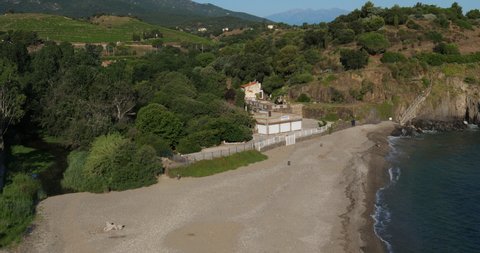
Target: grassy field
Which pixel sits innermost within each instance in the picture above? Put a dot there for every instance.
(219, 165)
(102, 29)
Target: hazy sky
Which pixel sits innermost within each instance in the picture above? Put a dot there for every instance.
(266, 7)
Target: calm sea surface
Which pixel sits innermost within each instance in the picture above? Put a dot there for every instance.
(432, 202)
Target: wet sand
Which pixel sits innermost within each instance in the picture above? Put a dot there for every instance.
(320, 203)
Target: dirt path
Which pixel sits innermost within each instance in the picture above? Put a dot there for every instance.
(265, 207)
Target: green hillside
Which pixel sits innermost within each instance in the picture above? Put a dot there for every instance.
(102, 29)
(168, 13)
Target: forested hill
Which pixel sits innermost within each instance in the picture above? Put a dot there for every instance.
(163, 12)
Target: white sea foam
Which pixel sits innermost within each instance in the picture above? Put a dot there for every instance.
(382, 215)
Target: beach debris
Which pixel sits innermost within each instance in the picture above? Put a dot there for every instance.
(109, 226)
(289, 163)
(179, 177)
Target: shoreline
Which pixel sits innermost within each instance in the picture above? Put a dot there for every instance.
(377, 178)
(319, 203)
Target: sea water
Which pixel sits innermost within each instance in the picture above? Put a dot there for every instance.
(432, 200)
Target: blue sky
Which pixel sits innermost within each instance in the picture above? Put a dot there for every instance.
(266, 7)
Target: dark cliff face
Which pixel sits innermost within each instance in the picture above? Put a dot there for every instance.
(450, 107)
(472, 114)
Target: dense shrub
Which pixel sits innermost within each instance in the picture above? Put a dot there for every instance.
(447, 49)
(136, 167)
(187, 146)
(413, 25)
(161, 146)
(407, 69)
(353, 59)
(360, 94)
(204, 59)
(74, 177)
(473, 14)
(434, 36)
(392, 57)
(470, 80)
(237, 133)
(435, 59)
(207, 137)
(373, 23)
(272, 83)
(345, 36)
(464, 24)
(300, 78)
(155, 119)
(303, 98)
(373, 43)
(113, 163)
(442, 21)
(17, 207)
(336, 96)
(432, 59)
(316, 38)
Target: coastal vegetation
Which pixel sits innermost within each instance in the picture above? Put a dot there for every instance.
(210, 167)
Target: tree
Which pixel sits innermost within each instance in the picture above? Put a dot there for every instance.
(473, 14)
(157, 43)
(289, 60)
(368, 9)
(204, 59)
(155, 119)
(272, 83)
(373, 43)
(353, 59)
(395, 16)
(123, 99)
(457, 10)
(11, 105)
(315, 38)
(373, 23)
(112, 163)
(345, 36)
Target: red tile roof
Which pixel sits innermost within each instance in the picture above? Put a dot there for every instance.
(249, 84)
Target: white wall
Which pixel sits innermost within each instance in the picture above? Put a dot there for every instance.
(274, 129)
(262, 129)
(279, 128)
(285, 127)
(296, 125)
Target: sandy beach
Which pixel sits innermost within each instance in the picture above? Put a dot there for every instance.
(320, 203)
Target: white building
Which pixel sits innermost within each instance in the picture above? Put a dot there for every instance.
(270, 27)
(278, 124)
(253, 90)
(202, 29)
(225, 29)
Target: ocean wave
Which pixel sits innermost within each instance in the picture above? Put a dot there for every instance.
(382, 215)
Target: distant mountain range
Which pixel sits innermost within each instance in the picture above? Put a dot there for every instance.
(162, 12)
(300, 16)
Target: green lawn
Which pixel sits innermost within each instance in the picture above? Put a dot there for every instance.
(106, 29)
(29, 160)
(219, 165)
